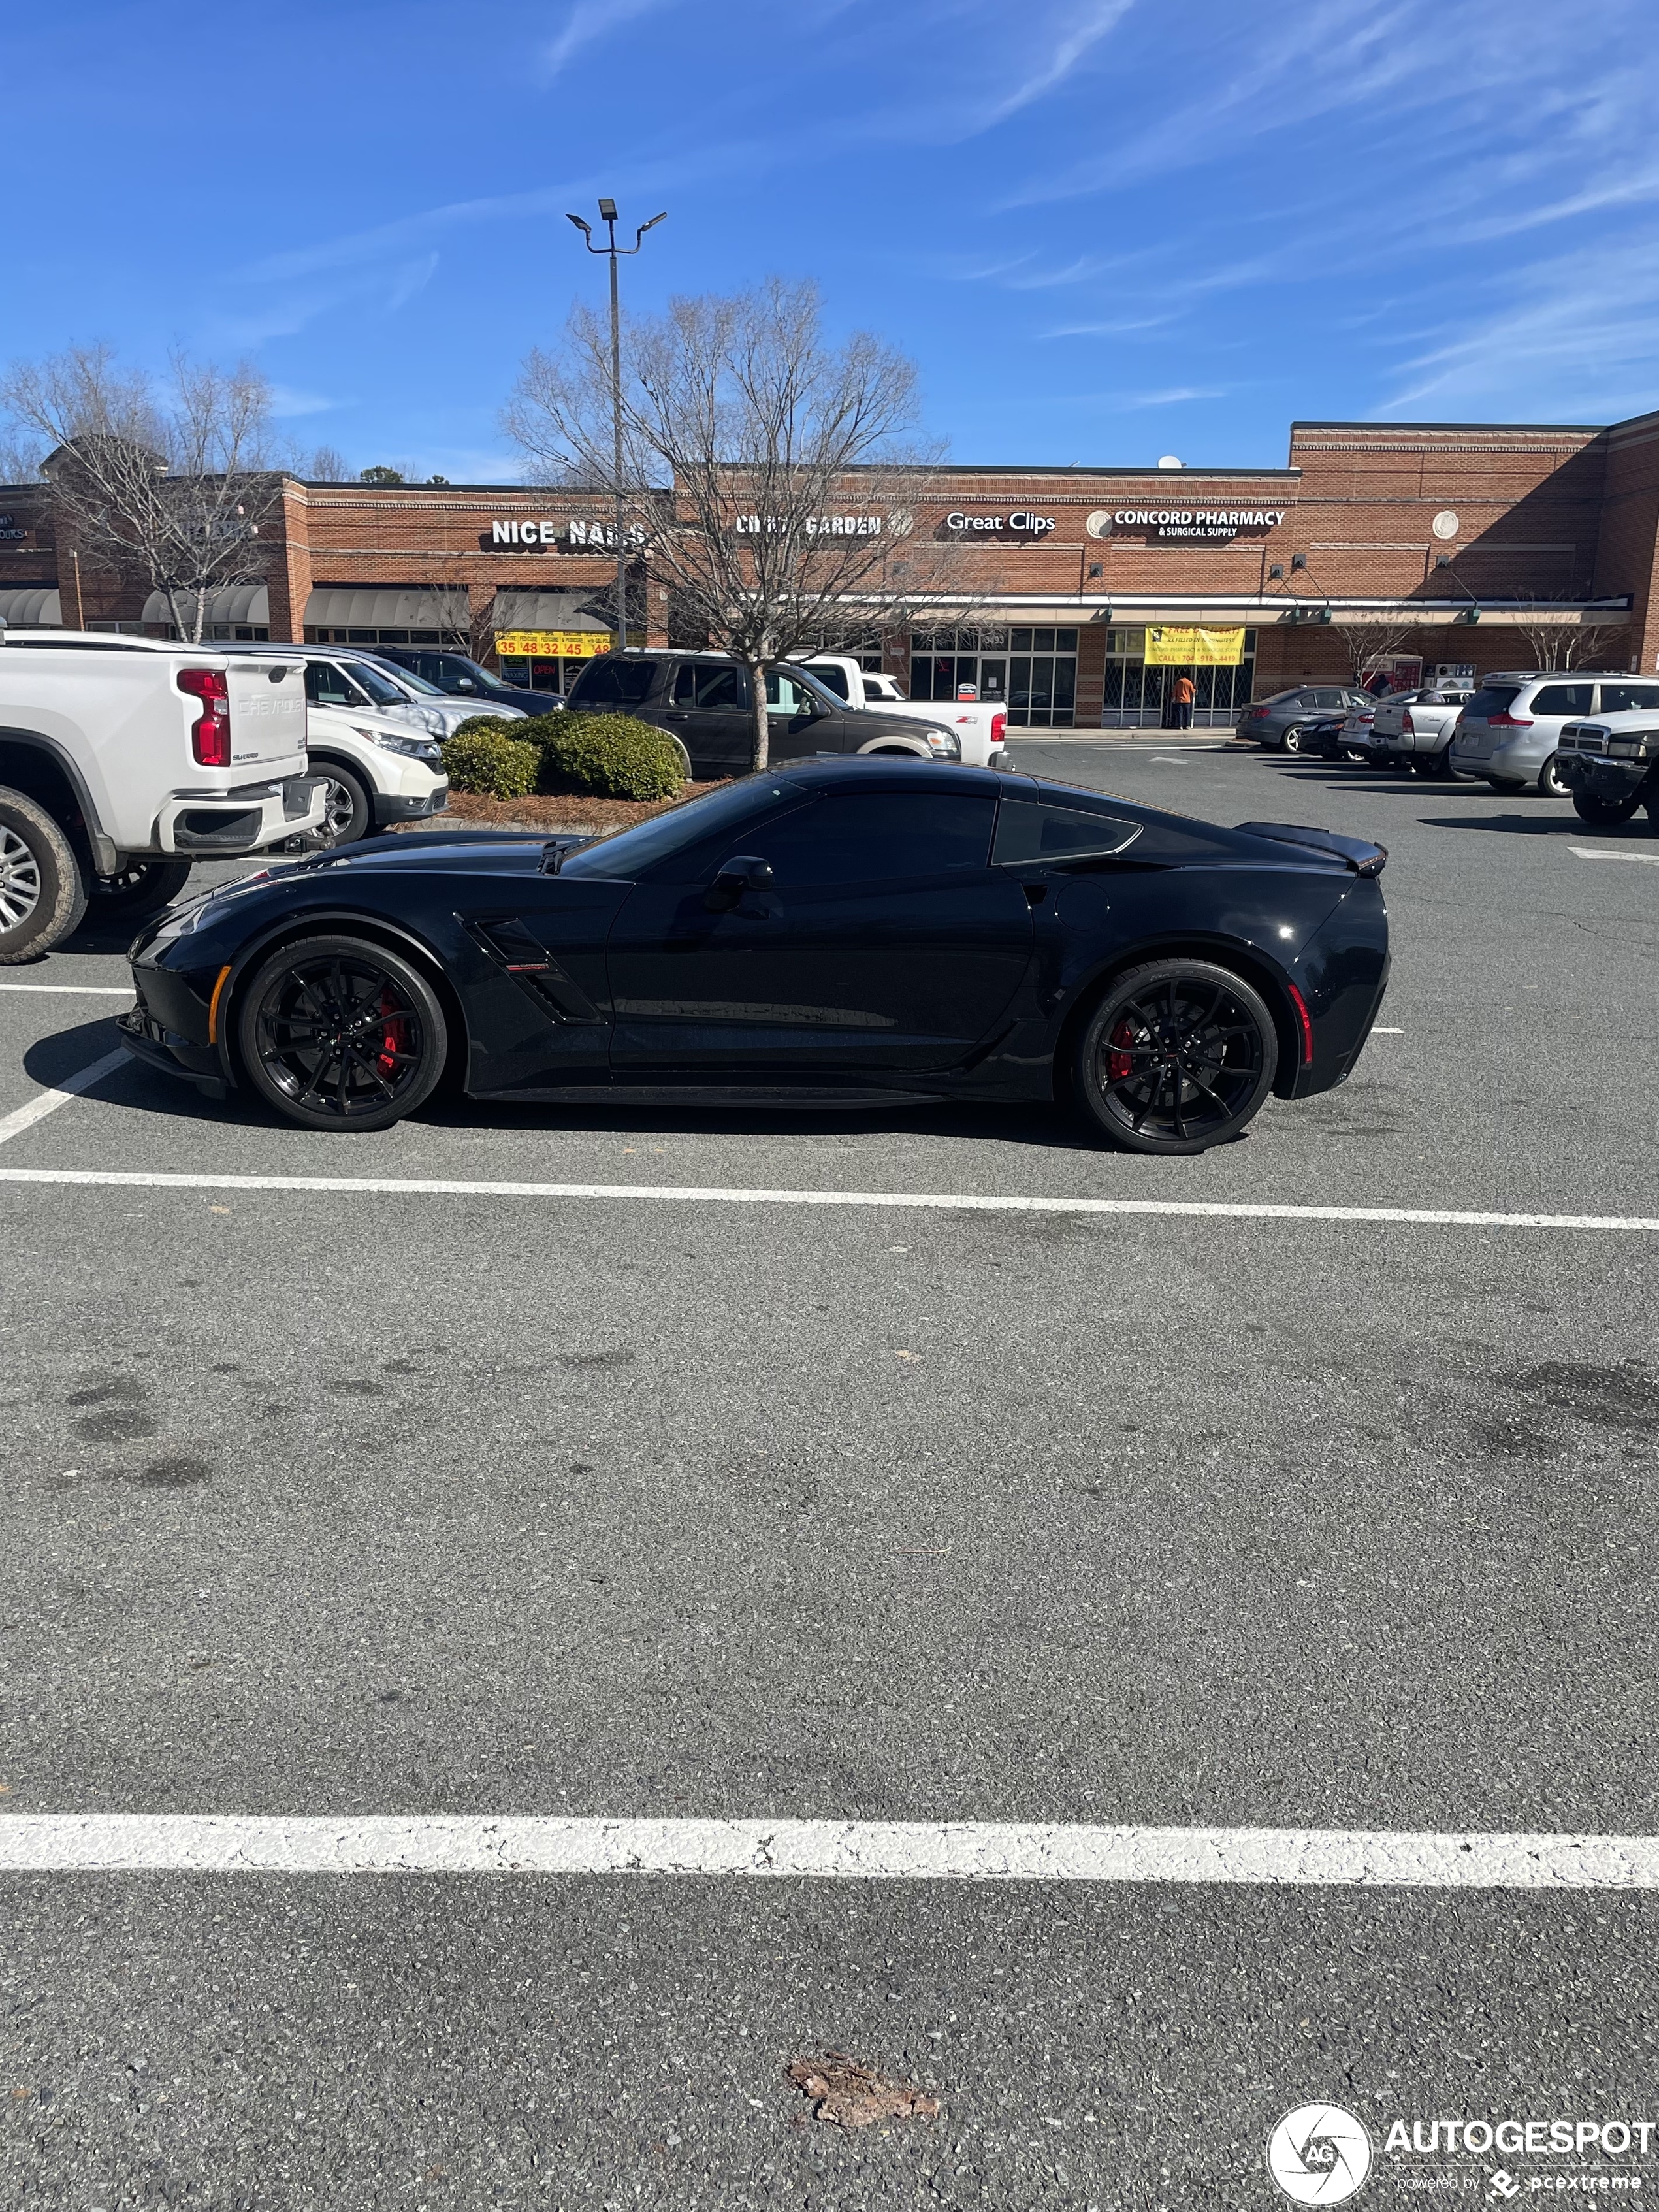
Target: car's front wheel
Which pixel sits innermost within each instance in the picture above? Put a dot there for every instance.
(1606, 813)
(341, 1033)
(42, 894)
(348, 814)
(1551, 781)
(1179, 1056)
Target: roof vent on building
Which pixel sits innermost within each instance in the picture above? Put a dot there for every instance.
(1170, 461)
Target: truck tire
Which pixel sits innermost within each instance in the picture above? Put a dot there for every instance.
(43, 894)
(1606, 813)
(142, 887)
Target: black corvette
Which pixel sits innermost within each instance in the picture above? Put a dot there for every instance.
(830, 933)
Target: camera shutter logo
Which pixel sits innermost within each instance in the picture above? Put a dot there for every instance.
(1319, 2154)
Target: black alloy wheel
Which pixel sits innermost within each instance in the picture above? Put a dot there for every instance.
(1606, 813)
(1179, 1056)
(341, 1033)
(142, 888)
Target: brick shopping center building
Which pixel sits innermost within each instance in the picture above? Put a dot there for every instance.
(1419, 546)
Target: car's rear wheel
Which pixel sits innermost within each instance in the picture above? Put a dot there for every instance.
(1606, 813)
(341, 1033)
(348, 814)
(1551, 781)
(142, 887)
(42, 896)
(1179, 1056)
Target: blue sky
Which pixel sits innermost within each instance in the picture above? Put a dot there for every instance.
(1106, 229)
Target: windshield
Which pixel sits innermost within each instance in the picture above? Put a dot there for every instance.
(629, 853)
(378, 684)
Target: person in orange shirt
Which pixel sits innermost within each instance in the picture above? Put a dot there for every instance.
(1183, 692)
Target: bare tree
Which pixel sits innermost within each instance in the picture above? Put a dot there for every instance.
(173, 483)
(20, 459)
(768, 435)
(1555, 641)
(1369, 640)
(323, 464)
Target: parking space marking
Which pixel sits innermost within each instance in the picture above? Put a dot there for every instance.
(1598, 853)
(25, 1117)
(694, 1194)
(834, 1850)
(76, 990)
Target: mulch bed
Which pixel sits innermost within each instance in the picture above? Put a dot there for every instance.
(572, 809)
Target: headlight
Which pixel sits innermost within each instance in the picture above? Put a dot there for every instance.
(420, 749)
(947, 747)
(1628, 748)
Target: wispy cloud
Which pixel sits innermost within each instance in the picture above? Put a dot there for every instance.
(287, 403)
(1070, 43)
(588, 22)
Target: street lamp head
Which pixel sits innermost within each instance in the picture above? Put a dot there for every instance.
(607, 211)
(654, 221)
(586, 229)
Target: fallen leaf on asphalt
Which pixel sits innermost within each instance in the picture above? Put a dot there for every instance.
(846, 2094)
(218, 1209)
(907, 1355)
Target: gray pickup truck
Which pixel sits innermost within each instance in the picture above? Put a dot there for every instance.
(1611, 766)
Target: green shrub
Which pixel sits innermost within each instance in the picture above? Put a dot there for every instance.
(612, 755)
(480, 722)
(485, 760)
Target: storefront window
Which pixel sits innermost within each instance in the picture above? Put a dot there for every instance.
(1135, 696)
(1042, 678)
(944, 662)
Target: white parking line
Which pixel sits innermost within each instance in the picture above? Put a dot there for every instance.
(859, 1850)
(1599, 852)
(25, 1117)
(76, 990)
(694, 1194)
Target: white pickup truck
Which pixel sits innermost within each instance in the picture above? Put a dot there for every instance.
(122, 759)
(980, 723)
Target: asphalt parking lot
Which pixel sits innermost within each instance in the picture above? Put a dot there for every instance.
(332, 1504)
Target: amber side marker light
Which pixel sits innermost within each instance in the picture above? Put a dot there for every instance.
(219, 993)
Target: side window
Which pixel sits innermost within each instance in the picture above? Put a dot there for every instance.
(784, 696)
(1027, 835)
(1620, 698)
(877, 837)
(833, 679)
(718, 690)
(1328, 699)
(1565, 698)
(615, 682)
(326, 686)
(434, 667)
(685, 684)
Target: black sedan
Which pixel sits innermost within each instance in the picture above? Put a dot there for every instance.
(835, 932)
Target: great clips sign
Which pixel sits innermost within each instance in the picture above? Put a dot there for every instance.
(1018, 524)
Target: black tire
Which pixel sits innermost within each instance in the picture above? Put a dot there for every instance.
(348, 812)
(1551, 781)
(142, 887)
(1607, 813)
(1292, 741)
(1193, 1019)
(43, 894)
(304, 1018)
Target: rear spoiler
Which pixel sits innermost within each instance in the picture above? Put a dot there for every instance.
(1364, 859)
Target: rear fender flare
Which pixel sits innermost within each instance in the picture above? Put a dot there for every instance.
(1257, 968)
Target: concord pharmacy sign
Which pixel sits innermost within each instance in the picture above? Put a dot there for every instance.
(1205, 522)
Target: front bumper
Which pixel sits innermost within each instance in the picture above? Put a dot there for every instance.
(391, 807)
(1598, 777)
(244, 820)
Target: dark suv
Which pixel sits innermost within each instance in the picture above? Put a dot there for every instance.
(463, 679)
(703, 699)
(1278, 723)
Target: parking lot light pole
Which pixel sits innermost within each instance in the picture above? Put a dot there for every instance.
(608, 217)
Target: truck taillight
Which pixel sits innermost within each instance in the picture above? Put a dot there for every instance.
(1407, 727)
(209, 734)
(998, 728)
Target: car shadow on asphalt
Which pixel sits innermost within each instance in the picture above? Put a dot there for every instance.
(1051, 1128)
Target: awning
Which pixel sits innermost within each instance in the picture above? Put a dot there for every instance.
(560, 611)
(247, 604)
(343, 606)
(31, 606)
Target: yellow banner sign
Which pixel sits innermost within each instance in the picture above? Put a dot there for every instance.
(553, 644)
(1194, 648)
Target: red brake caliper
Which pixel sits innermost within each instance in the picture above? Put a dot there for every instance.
(1118, 1063)
(392, 1035)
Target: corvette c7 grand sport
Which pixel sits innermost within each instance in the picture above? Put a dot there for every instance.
(832, 933)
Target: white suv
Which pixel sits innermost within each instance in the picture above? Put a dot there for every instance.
(1510, 731)
(376, 772)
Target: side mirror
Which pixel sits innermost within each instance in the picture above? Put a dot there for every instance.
(464, 683)
(743, 872)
